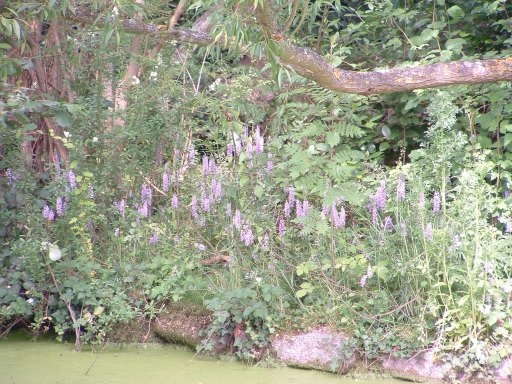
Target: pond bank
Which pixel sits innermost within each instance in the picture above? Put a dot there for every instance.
(45, 361)
(323, 348)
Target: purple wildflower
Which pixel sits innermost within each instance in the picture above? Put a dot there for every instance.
(287, 208)
(200, 246)
(146, 194)
(116, 232)
(400, 187)
(205, 165)
(362, 282)
(174, 201)
(270, 166)
(120, 206)
(281, 228)
(143, 209)
(388, 223)
(166, 181)
(230, 150)
(302, 209)
(246, 235)
(436, 203)
(369, 271)
(59, 206)
(205, 201)
(266, 241)
(238, 146)
(246, 131)
(212, 167)
(380, 197)
(48, 213)
(71, 179)
(260, 141)
(338, 218)
(216, 189)
(153, 239)
(325, 212)
(249, 148)
(429, 234)
(228, 209)
(237, 219)
(375, 214)
(193, 207)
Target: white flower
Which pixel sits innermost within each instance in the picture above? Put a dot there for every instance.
(67, 134)
(115, 11)
(153, 75)
(94, 139)
(30, 301)
(135, 80)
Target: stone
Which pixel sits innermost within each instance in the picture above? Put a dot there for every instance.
(319, 348)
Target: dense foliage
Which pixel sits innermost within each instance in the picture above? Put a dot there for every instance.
(386, 216)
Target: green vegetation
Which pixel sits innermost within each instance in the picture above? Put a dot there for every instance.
(164, 172)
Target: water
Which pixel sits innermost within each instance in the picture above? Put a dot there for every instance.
(46, 361)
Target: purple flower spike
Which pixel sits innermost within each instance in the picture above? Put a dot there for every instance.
(146, 194)
(325, 212)
(71, 179)
(228, 209)
(246, 235)
(287, 209)
(230, 150)
(436, 203)
(60, 206)
(143, 210)
(193, 207)
(388, 223)
(205, 165)
(154, 239)
(175, 201)
(429, 234)
(212, 167)
(48, 213)
(237, 219)
(120, 206)
(166, 181)
(205, 202)
(380, 197)
(281, 228)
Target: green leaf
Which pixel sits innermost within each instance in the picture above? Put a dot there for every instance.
(64, 119)
(455, 12)
(455, 44)
(332, 138)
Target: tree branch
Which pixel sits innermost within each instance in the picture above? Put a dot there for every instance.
(313, 66)
(134, 26)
